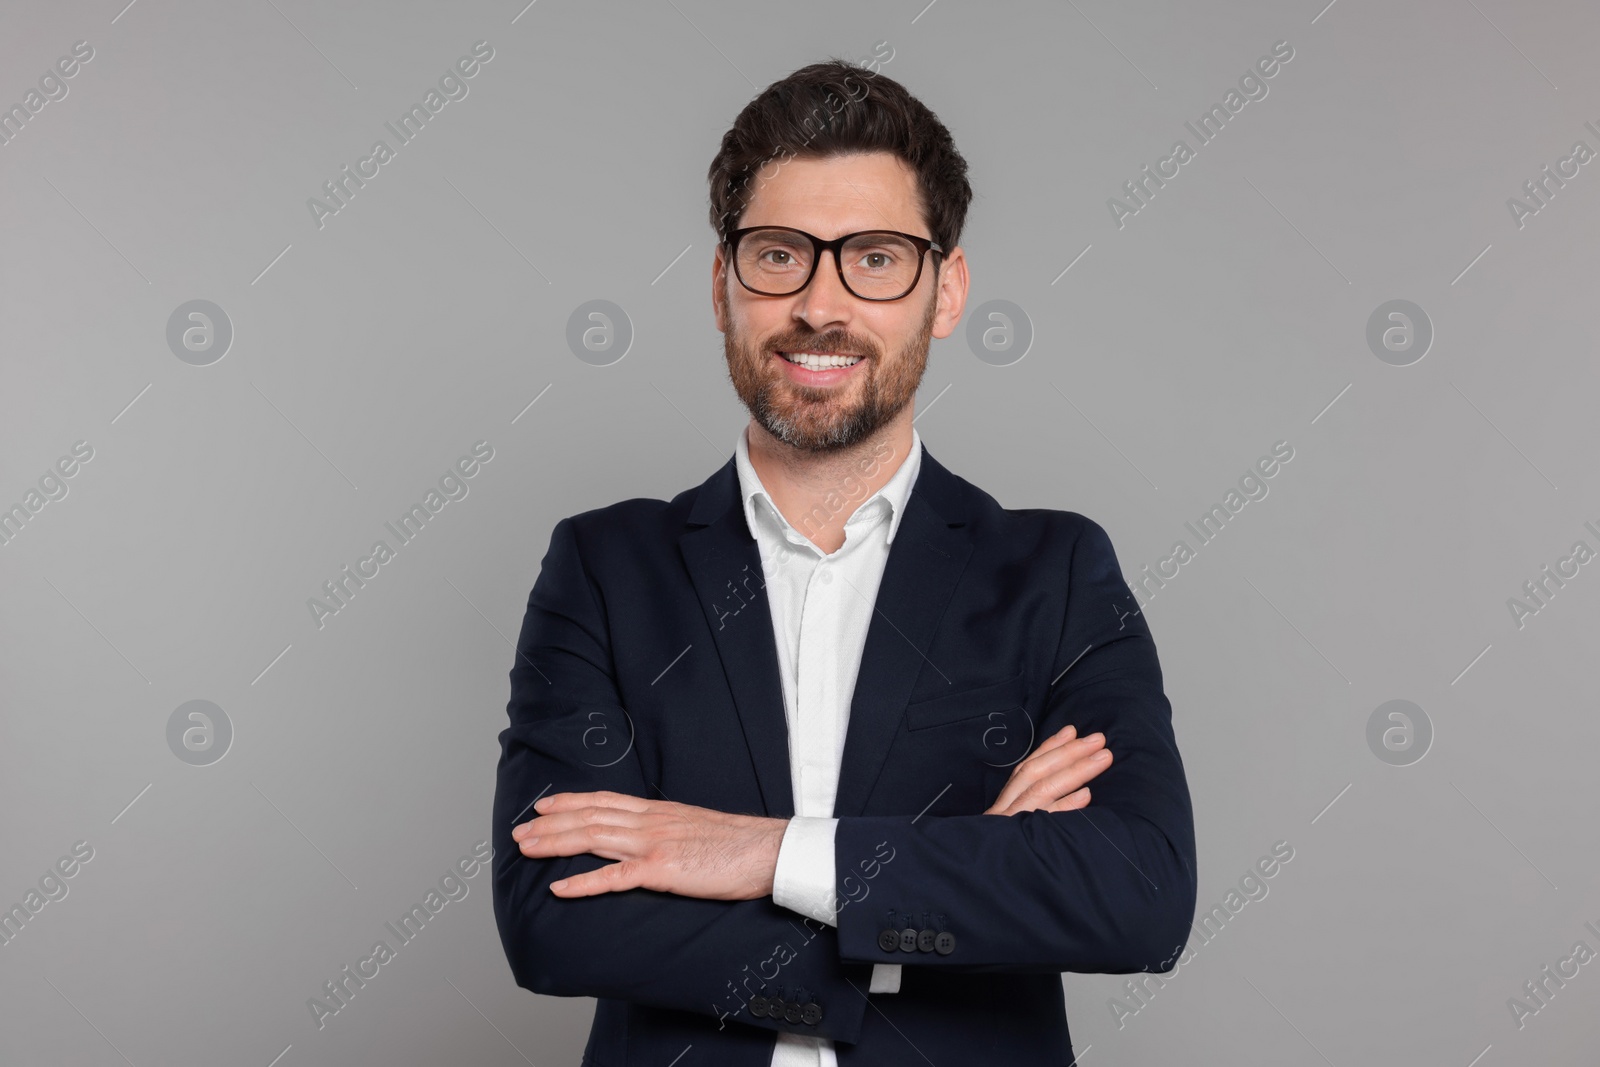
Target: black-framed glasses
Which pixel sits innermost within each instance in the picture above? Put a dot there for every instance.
(872, 264)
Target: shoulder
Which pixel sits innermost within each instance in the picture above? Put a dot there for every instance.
(1027, 531)
(632, 525)
(1067, 538)
(627, 522)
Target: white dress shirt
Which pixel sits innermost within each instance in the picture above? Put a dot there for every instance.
(822, 604)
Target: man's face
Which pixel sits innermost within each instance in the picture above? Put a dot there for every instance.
(823, 413)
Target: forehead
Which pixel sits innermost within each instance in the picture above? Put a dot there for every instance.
(840, 194)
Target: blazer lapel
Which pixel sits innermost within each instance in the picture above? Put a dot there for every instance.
(724, 562)
(929, 552)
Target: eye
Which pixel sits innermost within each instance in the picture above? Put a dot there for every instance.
(879, 258)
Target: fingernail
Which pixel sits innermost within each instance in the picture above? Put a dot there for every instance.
(561, 884)
(1103, 754)
(541, 803)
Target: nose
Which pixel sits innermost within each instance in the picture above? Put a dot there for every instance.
(825, 301)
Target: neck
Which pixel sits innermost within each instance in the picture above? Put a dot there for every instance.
(817, 492)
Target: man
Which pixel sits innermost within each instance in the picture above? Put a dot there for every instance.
(797, 764)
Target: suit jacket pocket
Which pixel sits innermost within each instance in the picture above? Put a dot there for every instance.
(967, 703)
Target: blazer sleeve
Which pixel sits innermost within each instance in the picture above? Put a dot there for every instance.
(1108, 888)
(569, 732)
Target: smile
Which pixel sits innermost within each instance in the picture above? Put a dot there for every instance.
(814, 361)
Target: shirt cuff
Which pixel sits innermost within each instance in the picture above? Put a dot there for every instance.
(804, 878)
(885, 978)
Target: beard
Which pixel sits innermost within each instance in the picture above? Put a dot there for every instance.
(833, 419)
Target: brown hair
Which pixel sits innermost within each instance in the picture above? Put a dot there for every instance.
(837, 108)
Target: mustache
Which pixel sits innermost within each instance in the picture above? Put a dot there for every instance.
(830, 342)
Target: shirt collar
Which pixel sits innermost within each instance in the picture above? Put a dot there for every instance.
(896, 491)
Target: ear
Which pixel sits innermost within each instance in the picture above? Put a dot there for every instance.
(951, 293)
(719, 287)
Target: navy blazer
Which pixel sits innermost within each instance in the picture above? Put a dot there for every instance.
(647, 665)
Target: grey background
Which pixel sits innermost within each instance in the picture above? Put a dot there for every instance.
(368, 355)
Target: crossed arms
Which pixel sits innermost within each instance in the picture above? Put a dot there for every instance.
(647, 901)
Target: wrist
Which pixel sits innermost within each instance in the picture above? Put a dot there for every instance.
(771, 846)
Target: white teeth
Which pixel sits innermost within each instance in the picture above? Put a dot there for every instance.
(811, 361)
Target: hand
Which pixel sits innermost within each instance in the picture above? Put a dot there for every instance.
(1052, 778)
(658, 844)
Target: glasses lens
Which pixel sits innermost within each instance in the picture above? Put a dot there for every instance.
(774, 261)
(878, 266)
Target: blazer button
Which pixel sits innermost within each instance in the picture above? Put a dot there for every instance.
(945, 943)
(811, 1014)
(792, 1013)
(908, 941)
(925, 940)
(758, 1006)
(775, 1007)
(889, 940)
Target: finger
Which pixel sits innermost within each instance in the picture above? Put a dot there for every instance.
(1045, 787)
(1067, 733)
(1022, 776)
(553, 846)
(1039, 766)
(1078, 798)
(1069, 775)
(1059, 783)
(605, 832)
(1072, 801)
(1065, 754)
(612, 878)
(601, 798)
(540, 805)
(1028, 768)
(557, 801)
(1058, 747)
(566, 803)
(594, 817)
